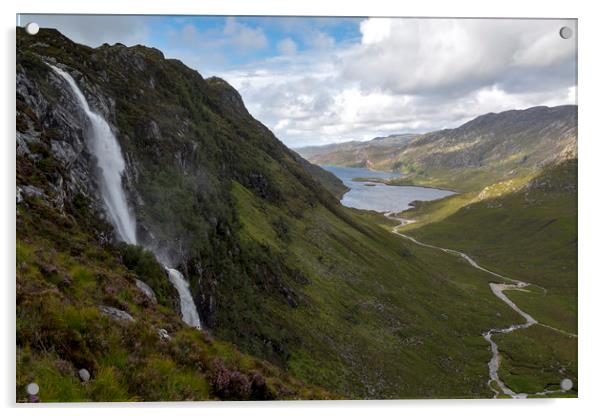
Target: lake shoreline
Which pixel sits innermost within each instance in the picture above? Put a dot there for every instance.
(366, 193)
(384, 182)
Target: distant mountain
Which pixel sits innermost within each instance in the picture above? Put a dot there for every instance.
(393, 139)
(353, 147)
(529, 137)
(490, 147)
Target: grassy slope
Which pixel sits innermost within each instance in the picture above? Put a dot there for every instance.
(485, 150)
(63, 275)
(529, 235)
(183, 177)
(327, 179)
(378, 317)
(426, 212)
(386, 322)
(463, 180)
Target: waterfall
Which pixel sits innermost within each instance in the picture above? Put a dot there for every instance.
(187, 306)
(104, 145)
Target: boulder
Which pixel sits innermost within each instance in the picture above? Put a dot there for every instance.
(116, 314)
(33, 192)
(146, 290)
(163, 334)
(84, 374)
(32, 389)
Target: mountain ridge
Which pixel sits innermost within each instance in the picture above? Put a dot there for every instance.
(493, 145)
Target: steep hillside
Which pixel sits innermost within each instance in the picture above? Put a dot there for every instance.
(529, 233)
(185, 140)
(81, 304)
(490, 148)
(327, 179)
(71, 270)
(535, 226)
(276, 265)
(355, 153)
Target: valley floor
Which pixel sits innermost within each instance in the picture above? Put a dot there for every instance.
(499, 388)
(530, 235)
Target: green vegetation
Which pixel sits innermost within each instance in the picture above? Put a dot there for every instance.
(461, 180)
(488, 149)
(529, 233)
(373, 341)
(536, 359)
(426, 212)
(60, 329)
(279, 270)
(327, 179)
(536, 227)
(143, 263)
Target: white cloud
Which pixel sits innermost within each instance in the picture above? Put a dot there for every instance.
(319, 40)
(287, 47)
(234, 34)
(411, 75)
(243, 36)
(416, 55)
(544, 48)
(401, 75)
(375, 30)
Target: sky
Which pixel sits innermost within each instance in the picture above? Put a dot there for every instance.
(320, 80)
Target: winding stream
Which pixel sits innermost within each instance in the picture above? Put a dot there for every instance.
(498, 290)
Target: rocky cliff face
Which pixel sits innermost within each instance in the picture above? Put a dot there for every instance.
(184, 139)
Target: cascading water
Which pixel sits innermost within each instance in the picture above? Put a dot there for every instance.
(104, 145)
(187, 305)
